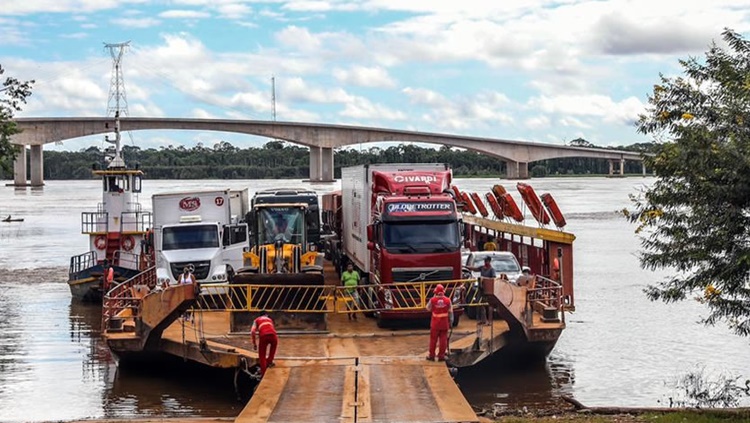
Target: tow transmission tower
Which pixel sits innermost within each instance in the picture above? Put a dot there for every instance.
(117, 104)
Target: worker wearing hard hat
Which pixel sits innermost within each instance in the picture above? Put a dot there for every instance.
(440, 323)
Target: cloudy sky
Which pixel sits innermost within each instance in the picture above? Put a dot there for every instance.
(535, 70)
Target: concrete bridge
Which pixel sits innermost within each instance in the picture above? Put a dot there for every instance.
(320, 138)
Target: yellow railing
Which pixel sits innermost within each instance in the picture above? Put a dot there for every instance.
(332, 299)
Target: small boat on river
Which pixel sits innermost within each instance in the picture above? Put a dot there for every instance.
(116, 230)
(11, 219)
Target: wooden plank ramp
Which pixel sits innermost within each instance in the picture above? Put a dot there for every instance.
(350, 390)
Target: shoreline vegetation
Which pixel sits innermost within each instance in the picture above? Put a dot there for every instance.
(279, 160)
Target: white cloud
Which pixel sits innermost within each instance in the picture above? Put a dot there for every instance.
(537, 122)
(376, 77)
(595, 105)
(296, 89)
(76, 35)
(199, 113)
(184, 14)
(299, 38)
(362, 108)
(425, 97)
(136, 22)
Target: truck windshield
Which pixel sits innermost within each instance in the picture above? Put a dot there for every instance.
(190, 237)
(285, 223)
(421, 237)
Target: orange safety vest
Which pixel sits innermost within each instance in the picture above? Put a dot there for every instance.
(441, 308)
(110, 275)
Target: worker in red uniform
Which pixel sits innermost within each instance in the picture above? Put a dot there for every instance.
(440, 323)
(108, 276)
(263, 325)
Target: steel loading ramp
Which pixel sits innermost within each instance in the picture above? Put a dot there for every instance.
(370, 389)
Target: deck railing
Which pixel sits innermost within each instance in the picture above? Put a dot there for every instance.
(546, 297)
(82, 261)
(406, 296)
(124, 296)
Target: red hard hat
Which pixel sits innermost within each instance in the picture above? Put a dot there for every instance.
(439, 289)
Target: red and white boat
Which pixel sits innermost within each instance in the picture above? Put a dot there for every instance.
(116, 230)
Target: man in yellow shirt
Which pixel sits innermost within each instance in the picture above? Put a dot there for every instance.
(350, 279)
(490, 245)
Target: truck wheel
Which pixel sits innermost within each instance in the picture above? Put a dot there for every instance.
(456, 318)
(471, 312)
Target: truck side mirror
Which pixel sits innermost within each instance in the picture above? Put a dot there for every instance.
(370, 232)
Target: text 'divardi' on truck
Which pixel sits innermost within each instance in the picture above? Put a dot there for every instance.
(201, 229)
(400, 224)
(284, 239)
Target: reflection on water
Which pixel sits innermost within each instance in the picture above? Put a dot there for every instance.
(618, 349)
(512, 386)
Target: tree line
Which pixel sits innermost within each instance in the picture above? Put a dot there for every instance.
(280, 160)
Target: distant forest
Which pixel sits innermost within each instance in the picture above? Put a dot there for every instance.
(279, 160)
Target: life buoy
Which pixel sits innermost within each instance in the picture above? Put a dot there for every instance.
(467, 202)
(100, 242)
(494, 205)
(533, 203)
(510, 208)
(554, 210)
(480, 205)
(498, 190)
(128, 242)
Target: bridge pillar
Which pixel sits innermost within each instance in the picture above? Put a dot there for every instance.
(321, 164)
(326, 164)
(622, 167)
(314, 164)
(643, 168)
(516, 170)
(19, 168)
(37, 166)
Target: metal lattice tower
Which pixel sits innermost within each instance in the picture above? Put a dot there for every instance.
(118, 101)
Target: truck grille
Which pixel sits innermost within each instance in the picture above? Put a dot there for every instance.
(401, 274)
(201, 269)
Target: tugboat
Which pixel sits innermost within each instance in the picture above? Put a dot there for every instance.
(116, 230)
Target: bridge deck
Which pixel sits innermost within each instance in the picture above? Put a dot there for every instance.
(374, 389)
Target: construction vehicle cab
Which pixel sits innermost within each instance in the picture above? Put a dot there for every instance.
(285, 232)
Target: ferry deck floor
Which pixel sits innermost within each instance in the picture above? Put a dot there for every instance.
(355, 372)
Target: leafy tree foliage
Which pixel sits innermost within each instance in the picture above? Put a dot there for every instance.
(695, 218)
(12, 94)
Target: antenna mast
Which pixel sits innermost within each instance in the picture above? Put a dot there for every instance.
(273, 96)
(117, 104)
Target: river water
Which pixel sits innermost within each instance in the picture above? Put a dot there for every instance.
(619, 348)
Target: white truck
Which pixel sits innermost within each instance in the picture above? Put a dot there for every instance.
(202, 229)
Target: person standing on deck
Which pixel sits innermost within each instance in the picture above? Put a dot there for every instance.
(108, 276)
(440, 322)
(350, 279)
(486, 271)
(187, 275)
(263, 325)
(490, 245)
